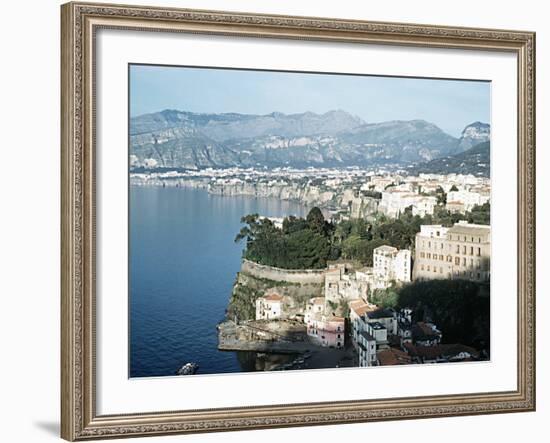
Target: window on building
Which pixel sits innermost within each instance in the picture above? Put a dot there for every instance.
(428, 268)
(457, 260)
(429, 255)
(422, 267)
(458, 249)
(478, 252)
(471, 250)
(464, 261)
(464, 250)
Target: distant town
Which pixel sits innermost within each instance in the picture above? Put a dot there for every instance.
(390, 268)
(341, 193)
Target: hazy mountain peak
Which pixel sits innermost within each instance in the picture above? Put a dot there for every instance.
(474, 134)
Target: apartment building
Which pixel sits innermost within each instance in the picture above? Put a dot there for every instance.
(391, 265)
(462, 251)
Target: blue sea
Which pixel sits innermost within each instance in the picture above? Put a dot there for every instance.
(183, 263)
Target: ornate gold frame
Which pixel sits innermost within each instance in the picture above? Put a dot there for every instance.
(79, 420)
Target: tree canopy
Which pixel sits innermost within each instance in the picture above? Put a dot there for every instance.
(310, 242)
(300, 244)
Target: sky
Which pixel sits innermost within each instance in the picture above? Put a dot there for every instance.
(450, 104)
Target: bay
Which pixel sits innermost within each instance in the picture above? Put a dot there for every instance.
(183, 262)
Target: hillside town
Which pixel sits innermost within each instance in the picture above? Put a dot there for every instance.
(345, 313)
(342, 193)
(385, 336)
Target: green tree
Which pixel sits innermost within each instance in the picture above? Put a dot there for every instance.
(316, 221)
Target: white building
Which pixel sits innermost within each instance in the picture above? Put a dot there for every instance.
(315, 305)
(424, 205)
(391, 265)
(468, 198)
(395, 201)
(366, 349)
(357, 309)
(269, 307)
(370, 327)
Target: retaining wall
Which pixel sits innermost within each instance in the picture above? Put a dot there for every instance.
(301, 276)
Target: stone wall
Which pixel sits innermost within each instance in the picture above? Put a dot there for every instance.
(299, 276)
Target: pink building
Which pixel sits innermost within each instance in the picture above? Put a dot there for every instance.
(328, 331)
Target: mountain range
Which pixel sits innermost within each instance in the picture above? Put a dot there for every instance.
(188, 140)
(476, 160)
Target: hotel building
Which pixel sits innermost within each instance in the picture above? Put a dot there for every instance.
(462, 251)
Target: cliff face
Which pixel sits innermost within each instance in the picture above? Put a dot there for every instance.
(473, 135)
(254, 283)
(360, 205)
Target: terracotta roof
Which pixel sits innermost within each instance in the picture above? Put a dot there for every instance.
(273, 297)
(422, 329)
(360, 307)
(392, 356)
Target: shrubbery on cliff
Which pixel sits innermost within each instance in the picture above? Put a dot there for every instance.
(309, 243)
(300, 244)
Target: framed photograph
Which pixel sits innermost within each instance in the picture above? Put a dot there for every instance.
(277, 221)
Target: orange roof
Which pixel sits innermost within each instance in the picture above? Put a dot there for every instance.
(273, 297)
(390, 357)
(359, 307)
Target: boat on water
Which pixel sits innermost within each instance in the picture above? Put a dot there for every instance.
(188, 369)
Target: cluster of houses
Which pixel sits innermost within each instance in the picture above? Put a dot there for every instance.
(383, 336)
(417, 192)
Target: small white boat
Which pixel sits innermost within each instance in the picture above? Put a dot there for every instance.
(188, 369)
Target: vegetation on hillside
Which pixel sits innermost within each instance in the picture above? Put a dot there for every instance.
(311, 242)
(460, 308)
